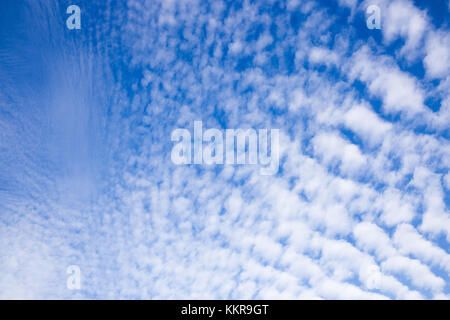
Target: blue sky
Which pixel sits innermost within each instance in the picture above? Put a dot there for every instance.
(359, 208)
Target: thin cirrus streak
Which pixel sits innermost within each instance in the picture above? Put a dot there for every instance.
(357, 209)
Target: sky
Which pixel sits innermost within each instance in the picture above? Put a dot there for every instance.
(359, 208)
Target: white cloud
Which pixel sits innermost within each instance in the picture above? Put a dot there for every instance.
(325, 56)
(334, 149)
(399, 90)
(367, 124)
(371, 237)
(403, 19)
(419, 274)
(409, 241)
(395, 207)
(437, 59)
